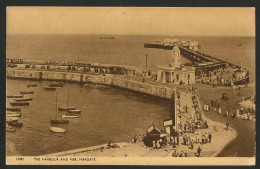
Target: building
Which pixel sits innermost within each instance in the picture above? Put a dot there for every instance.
(194, 46)
(175, 73)
(153, 134)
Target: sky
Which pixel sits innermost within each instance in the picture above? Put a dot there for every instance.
(132, 21)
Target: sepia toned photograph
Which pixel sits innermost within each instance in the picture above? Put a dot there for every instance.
(130, 86)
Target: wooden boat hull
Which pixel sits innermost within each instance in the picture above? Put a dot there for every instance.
(70, 116)
(19, 103)
(57, 130)
(23, 99)
(26, 92)
(13, 114)
(12, 119)
(31, 85)
(56, 85)
(9, 129)
(49, 88)
(59, 121)
(74, 111)
(13, 108)
(14, 96)
(15, 124)
(66, 108)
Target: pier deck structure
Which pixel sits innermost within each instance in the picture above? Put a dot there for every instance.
(196, 56)
(202, 57)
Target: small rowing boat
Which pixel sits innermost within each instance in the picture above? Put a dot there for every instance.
(59, 121)
(57, 130)
(66, 108)
(23, 99)
(13, 114)
(22, 103)
(8, 119)
(50, 88)
(32, 85)
(26, 92)
(13, 108)
(15, 123)
(67, 116)
(14, 96)
(75, 111)
(10, 129)
(56, 85)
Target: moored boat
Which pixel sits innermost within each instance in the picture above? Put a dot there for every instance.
(57, 130)
(57, 120)
(15, 123)
(50, 88)
(56, 84)
(8, 119)
(66, 108)
(32, 85)
(22, 103)
(74, 111)
(104, 37)
(13, 108)
(14, 96)
(13, 114)
(26, 92)
(23, 99)
(67, 116)
(10, 129)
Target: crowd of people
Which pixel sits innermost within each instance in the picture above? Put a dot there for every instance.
(192, 130)
(242, 112)
(223, 77)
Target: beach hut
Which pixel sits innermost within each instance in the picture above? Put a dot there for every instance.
(152, 134)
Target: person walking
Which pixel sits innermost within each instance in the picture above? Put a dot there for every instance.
(197, 138)
(241, 110)
(227, 113)
(129, 138)
(198, 151)
(227, 125)
(203, 139)
(219, 111)
(210, 137)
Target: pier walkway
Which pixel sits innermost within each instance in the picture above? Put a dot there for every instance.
(202, 57)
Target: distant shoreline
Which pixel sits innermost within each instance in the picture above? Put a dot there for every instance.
(132, 35)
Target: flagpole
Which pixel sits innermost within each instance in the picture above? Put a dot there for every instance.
(241, 61)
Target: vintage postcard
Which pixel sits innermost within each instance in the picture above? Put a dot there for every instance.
(130, 86)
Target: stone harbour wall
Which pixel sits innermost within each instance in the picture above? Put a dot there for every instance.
(110, 80)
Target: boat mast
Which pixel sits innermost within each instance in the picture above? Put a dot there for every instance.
(68, 100)
(56, 116)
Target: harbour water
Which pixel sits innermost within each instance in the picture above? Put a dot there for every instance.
(108, 114)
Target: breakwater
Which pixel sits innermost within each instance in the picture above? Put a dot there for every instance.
(80, 77)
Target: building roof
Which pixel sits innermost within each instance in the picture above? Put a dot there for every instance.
(176, 48)
(151, 128)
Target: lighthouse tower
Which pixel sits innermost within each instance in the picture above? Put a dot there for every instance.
(176, 57)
